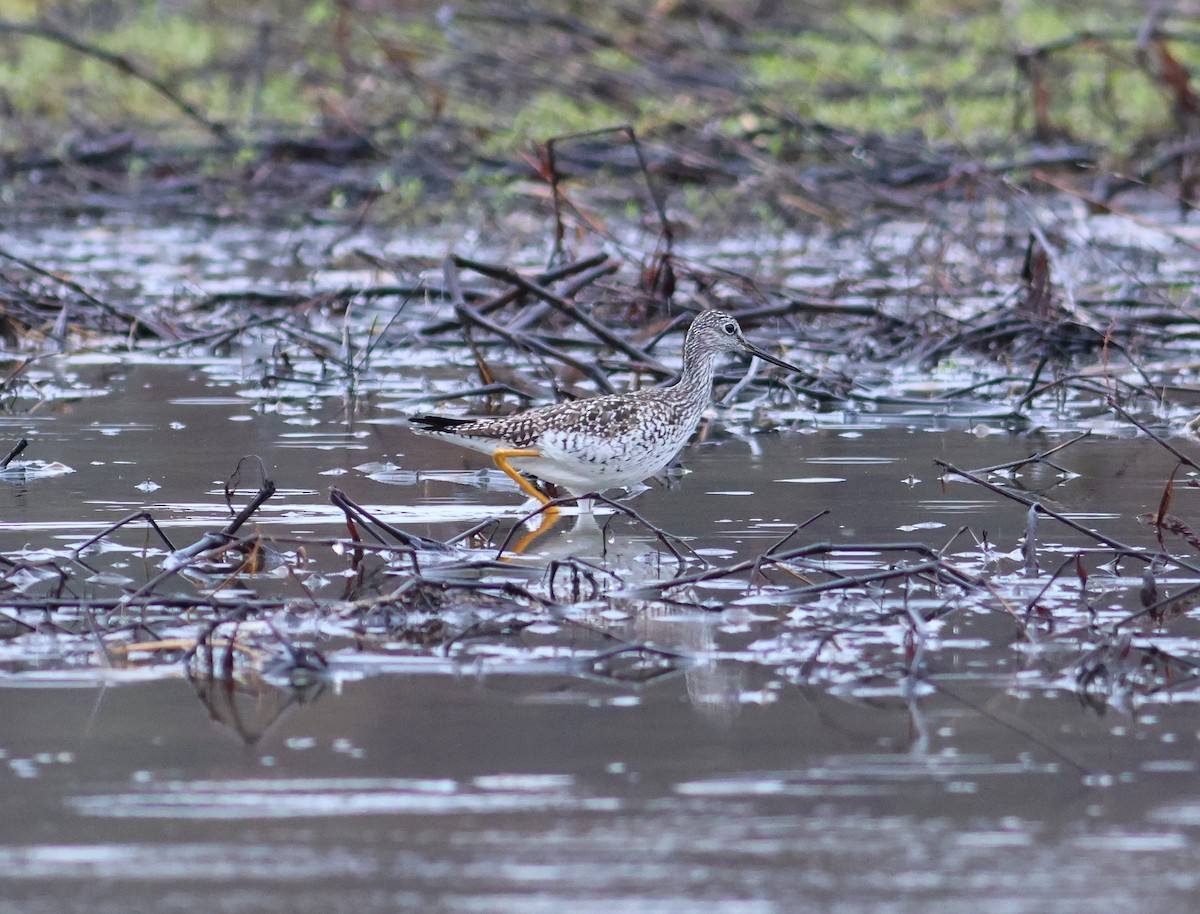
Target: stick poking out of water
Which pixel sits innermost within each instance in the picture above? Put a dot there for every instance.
(20, 446)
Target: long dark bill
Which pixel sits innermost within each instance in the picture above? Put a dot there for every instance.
(767, 357)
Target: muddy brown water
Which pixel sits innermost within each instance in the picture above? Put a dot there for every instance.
(769, 772)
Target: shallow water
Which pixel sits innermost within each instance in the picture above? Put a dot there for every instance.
(782, 753)
(516, 781)
(451, 791)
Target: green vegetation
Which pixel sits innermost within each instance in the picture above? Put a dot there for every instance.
(942, 67)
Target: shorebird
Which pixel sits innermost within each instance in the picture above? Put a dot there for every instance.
(598, 443)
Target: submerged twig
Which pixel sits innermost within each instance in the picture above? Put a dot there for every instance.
(352, 510)
(509, 275)
(11, 455)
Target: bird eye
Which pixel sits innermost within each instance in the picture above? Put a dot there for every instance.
(730, 328)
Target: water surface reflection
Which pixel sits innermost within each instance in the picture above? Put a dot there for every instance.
(534, 792)
(732, 746)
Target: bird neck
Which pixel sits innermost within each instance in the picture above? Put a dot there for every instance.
(697, 378)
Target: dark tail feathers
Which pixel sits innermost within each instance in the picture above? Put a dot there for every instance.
(437, 423)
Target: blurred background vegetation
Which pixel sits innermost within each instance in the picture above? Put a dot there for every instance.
(477, 84)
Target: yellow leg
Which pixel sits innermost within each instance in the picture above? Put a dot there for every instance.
(502, 455)
(549, 517)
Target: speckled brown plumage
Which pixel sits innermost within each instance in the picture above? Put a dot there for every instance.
(613, 440)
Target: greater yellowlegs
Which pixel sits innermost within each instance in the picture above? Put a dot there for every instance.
(599, 443)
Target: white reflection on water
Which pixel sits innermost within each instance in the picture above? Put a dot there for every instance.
(181, 861)
(309, 797)
(859, 775)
